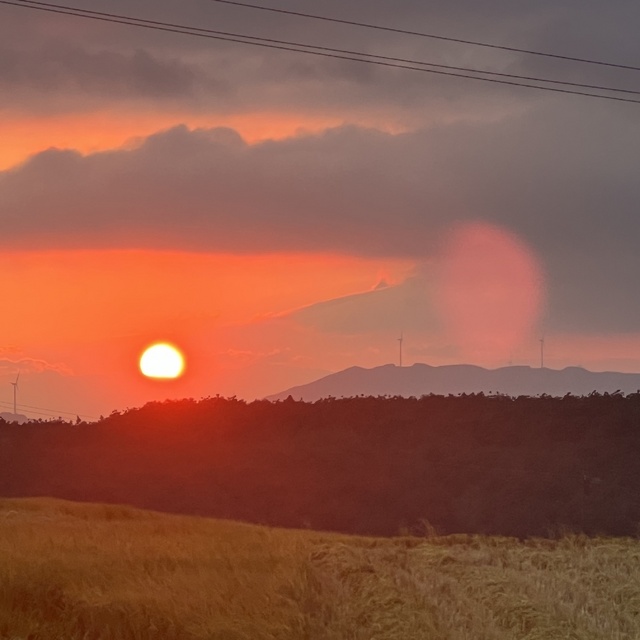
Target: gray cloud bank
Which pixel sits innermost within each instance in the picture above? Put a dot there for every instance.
(63, 69)
(47, 57)
(408, 306)
(565, 183)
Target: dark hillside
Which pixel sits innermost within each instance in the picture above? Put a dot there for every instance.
(494, 465)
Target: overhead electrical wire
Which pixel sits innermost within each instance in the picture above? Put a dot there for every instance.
(327, 52)
(345, 52)
(68, 413)
(421, 34)
(45, 412)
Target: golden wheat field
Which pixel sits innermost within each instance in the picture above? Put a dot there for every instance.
(73, 571)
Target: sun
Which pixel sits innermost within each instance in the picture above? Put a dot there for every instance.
(162, 360)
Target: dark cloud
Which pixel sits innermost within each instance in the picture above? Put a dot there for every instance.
(123, 63)
(59, 76)
(209, 190)
(563, 183)
(62, 70)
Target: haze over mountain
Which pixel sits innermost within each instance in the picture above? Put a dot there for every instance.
(423, 379)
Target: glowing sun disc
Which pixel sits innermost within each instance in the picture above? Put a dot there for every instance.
(162, 360)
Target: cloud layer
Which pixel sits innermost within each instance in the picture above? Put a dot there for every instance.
(73, 63)
(564, 184)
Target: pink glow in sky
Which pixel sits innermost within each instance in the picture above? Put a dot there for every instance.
(491, 291)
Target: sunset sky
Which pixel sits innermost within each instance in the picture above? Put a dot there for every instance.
(280, 216)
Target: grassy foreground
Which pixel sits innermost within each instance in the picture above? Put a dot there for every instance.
(71, 571)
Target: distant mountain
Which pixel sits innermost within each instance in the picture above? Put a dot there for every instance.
(422, 379)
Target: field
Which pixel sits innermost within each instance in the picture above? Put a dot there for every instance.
(109, 572)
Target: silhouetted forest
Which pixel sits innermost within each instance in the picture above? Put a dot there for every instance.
(482, 464)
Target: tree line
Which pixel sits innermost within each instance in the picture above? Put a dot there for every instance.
(527, 466)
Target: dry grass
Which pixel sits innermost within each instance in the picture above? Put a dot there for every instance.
(107, 572)
(76, 571)
(460, 587)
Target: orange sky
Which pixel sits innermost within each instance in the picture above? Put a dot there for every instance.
(500, 197)
(89, 295)
(99, 131)
(22, 137)
(87, 315)
(90, 313)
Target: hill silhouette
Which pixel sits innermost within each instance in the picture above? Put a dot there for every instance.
(423, 379)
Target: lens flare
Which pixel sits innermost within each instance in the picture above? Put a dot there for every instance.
(491, 290)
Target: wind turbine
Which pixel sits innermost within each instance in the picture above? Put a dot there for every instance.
(15, 393)
(400, 339)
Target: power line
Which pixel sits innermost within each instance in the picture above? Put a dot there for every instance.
(326, 52)
(69, 413)
(48, 412)
(421, 34)
(5, 405)
(342, 52)
(347, 52)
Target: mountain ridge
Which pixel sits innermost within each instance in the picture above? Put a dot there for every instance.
(424, 379)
